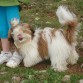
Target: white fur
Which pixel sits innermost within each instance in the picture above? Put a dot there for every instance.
(72, 59)
(64, 15)
(59, 50)
(30, 52)
(14, 22)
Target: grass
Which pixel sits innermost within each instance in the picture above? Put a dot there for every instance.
(41, 13)
(30, 75)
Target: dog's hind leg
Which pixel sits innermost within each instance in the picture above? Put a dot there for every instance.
(59, 51)
(73, 57)
(58, 64)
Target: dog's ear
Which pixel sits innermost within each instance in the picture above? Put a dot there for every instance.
(10, 38)
(9, 33)
(28, 26)
(32, 31)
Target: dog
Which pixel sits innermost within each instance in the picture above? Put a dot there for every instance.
(58, 45)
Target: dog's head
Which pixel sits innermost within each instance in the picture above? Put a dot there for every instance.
(20, 32)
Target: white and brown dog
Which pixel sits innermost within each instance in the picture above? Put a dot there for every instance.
(41, 44)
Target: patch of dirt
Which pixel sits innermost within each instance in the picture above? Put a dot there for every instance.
(75, 69)
(42, 66)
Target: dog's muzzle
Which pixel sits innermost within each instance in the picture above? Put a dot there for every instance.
(20, 37)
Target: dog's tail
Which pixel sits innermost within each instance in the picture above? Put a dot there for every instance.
(67, 18)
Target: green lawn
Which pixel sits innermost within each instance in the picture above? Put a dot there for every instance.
(41, 13)
(31, 75)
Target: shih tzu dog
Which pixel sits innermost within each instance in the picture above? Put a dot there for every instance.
(58, 45)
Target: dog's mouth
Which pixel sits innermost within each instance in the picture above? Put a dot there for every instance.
(20, 37)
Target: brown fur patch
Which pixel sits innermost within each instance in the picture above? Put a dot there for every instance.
(27, 29)
(69, 33)
(11, 40)
(26, 25)
(42, 47)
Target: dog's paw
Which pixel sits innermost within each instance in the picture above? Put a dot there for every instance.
(60, 68)
(73, 60)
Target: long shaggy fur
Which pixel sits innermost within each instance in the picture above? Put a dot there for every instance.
(67, 18)
(56, 44)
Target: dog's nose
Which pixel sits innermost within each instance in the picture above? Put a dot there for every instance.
(19, 36)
